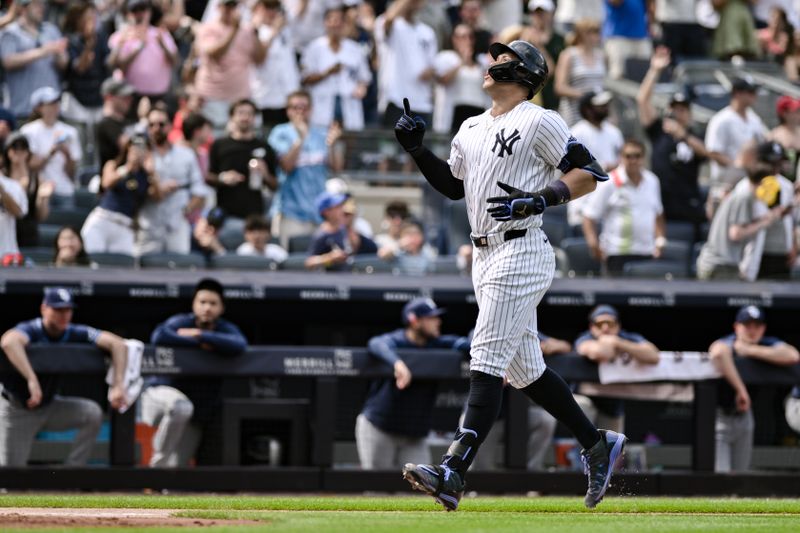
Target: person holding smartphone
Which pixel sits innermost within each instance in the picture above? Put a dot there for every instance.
(126, 183)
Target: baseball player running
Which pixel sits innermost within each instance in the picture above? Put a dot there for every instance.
(495, 157)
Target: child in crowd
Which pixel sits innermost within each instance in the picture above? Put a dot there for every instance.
(257, 237)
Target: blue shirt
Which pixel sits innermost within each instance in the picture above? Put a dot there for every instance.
(225, 339)
(127, 195)
(15, 385)
(406, 412)
(323, 242)
(629, 19)
(726, 397)
(609, 406)
(298, 189)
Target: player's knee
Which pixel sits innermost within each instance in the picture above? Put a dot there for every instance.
(92, 414)
(182, 410)
(484, 389)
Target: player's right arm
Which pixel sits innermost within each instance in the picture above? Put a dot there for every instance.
(722, 357)
(409, 132)
(384, 348)
(13, 343)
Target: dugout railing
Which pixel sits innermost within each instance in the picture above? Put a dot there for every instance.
(326, 366)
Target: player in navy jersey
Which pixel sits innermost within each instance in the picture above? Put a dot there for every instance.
(30, 402)
(513, 147)
(735, 425)
(397, 414)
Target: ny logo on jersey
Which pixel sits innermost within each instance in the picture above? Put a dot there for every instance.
(505, 143)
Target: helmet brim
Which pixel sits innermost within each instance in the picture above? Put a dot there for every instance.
(495, 49)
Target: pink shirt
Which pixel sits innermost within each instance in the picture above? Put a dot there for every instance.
(228, 78)
(150, 73)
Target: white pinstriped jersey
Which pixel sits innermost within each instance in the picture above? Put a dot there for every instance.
(521, 148)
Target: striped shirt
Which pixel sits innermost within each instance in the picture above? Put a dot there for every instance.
(521, 147)
(584, 77)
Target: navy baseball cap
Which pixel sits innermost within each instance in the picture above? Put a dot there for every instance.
(680, 98)
(601, 310)
(750, 313)
(745, 84)
(771, 152)
(327, 200)
(421, 308)
(58, 298)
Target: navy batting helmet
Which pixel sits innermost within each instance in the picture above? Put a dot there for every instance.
(530, 70)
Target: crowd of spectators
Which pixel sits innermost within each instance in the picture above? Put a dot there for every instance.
(170, 112)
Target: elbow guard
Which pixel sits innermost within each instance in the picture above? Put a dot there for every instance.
(578, 156)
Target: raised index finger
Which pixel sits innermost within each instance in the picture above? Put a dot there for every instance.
(406, 107)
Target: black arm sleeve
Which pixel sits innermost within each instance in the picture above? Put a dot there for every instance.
(438, 174)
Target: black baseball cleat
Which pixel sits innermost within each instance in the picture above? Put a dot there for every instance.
(444, 484)
(598, 464)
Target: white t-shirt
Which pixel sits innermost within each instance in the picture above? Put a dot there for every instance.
(465, 89)
(571, 11)
(605, 144)
(272, 252)
(628, 213)
(8, 223)
(408, 50)
(309, 25)
(319, 57)
(676, 11)
(727, 133)
(272, 81)
(42, 138)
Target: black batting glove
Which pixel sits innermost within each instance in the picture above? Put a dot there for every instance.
(517, 205)
(409, 130)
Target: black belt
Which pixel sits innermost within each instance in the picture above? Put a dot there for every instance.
(510, 235)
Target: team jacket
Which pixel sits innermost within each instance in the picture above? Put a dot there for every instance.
(405, 412)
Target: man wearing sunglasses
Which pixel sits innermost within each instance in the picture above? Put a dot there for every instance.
(631, 212)
(605, 340)
(163, 226)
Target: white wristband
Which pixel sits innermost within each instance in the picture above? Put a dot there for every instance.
(661, 242)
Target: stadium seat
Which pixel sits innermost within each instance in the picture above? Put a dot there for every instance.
(41, 256)
(74, 216)
(109, 259)
(86, 174)
(172, 260)
(696, 247)
(557, 212)
(562, 262)
(581, 262)
(678, 230)
(48, 233)
(677, 251)
(371, 264)
(556, 229)
(243, 262)
(299, 243)
(656, 269)
(457, 226)
(85, 199)
(446, 264)
(295, 262)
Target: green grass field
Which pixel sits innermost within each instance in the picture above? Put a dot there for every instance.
(419, 514)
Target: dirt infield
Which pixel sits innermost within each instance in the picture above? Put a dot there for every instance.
(49, 517)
